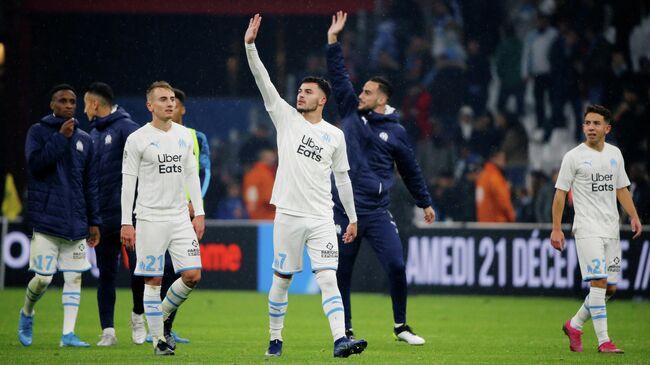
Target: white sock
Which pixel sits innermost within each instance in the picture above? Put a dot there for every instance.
(71, 298)
(583, 315)
(598, 313)
(278, 303)
(153, 311)
(176, 295)
(332, 304)
(35, 290)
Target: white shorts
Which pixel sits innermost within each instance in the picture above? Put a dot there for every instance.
(290, 233)
(599, 258)
(47, 253)
(152, 239)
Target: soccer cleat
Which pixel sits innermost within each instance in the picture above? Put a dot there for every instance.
(167, 332)
(25, 326)
(72, 340)
(171, 342)
(162, 348)
(275, 348)
(108, 338)
(575, 336)
(609, 347)
(178, 338)
(349, 334)
(344, 347)
(138, 332)
(406, 334)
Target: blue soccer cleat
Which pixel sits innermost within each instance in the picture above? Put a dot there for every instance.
(178, 338)
(25, 325)
(344, 347)
(275, 348)
(71, 340)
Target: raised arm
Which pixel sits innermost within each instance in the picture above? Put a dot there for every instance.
(271, 97)
(344, 94)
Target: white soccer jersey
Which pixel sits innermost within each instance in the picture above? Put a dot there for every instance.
(307, 153)
(161, 161)
(593, 177)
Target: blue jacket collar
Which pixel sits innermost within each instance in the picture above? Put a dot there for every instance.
(117, 114)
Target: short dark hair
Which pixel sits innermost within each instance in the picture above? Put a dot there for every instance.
(599, 109)
(60, 87)
(180, 95)
(384, 85)
(102, 90)
(321, 82)
(159, 84)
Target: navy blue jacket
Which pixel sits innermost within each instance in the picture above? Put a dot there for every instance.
(375, 144)
(109, 135)
(62, 188)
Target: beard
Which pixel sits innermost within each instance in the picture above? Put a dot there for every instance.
(306, 109)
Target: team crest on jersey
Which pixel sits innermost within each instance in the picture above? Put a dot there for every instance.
(326, 137)
(613, 163)
(383, 136)
(80, 146)
(108, 139)
(182, 143)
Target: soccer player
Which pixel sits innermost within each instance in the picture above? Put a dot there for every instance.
(62, 199)
(309, 150)
(159, 157)
(112, 125)
(376, 142)
(595, 172)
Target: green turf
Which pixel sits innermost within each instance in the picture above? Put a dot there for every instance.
(229, 327)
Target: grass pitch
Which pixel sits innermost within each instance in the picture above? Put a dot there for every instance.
(229, 327)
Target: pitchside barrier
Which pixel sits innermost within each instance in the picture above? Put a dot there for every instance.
(457, 258)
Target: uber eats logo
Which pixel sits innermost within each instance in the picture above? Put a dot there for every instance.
(309, 148)
(168, 163)
(602, 182)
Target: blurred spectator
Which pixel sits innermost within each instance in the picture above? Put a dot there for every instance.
(507, 60)
(465, 126)
(536, 65)
(565, 61)
(447, 91)
(447, 33)
(232, 206)
(485, 137)
(481, 21)
(526, 210)
(493, 202)
(258, 186)
(443, 196)
(640, 190)
(464, 209)
(543, 201)
(596, 64)
(478, 76)
(629, 120)
(416, 114)
(618, 76)
(515, 146)
(250, 149)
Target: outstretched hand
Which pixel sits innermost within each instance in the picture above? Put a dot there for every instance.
(338, 23)
(253, 27)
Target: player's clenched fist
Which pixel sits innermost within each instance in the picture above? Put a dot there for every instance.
(557, 240)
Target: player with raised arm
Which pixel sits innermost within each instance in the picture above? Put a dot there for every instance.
(595, 172)
(309, 150)
(159, 157)
(376, 143)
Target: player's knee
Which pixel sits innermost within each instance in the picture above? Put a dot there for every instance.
(599, 283)
(72, 278)
(396, 268)
(42, 281)
(326, 279)
(191, 278)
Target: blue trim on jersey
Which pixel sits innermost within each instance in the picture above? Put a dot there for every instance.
(337, 309)
(594, 278)
(82, 270)
(171, 301)
(155, 314)
(278, 304)
(173, 292)
(70, 292)
(70, 304)
(599, 316)
(152, 302)
(331, 299)
(189, 268)
(276, 315)
(42, 272)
